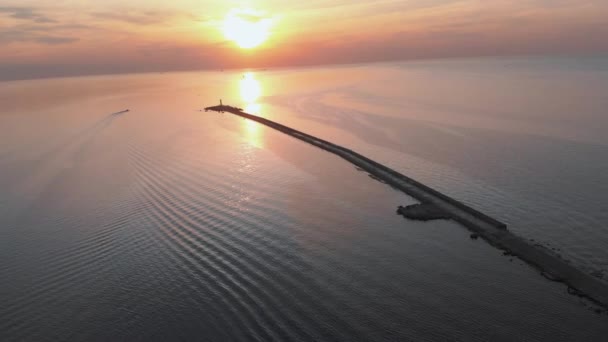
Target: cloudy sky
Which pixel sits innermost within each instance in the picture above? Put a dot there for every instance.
(41, 38)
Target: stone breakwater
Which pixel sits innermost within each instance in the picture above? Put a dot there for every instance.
(435, 205)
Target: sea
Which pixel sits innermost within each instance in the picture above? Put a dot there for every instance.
(169, 223)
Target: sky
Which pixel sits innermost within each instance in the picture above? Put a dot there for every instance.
(46, 38)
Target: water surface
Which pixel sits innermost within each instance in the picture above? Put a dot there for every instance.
(167, 223)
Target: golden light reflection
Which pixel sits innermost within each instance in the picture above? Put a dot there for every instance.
(251, 90)
(253, 108)
(246, 27)
(253, 133)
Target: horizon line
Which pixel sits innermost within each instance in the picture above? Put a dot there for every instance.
(304, 65)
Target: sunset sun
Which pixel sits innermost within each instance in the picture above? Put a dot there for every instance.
(247, 28)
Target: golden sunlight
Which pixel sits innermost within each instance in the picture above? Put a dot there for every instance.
(253, 133)
(247, 28)
(250, 88)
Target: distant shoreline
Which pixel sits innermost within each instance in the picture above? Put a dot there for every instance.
(435, 205)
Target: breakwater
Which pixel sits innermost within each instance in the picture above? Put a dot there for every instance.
(435, 205)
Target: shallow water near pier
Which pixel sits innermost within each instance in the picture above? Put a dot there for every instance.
(166, 223)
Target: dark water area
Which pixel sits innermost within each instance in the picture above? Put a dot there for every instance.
(165, 223)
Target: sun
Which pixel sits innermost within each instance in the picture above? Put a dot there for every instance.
(247, 28)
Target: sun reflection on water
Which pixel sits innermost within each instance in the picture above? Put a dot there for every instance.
(253, 108)
(251, 90)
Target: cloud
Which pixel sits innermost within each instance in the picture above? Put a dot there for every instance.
(50, 40)
(54, 34)
(25, 35)
(35, 25)
(44, 20)
(26, 13)
(139, 18)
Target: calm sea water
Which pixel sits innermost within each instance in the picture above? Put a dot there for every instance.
(167, 223)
